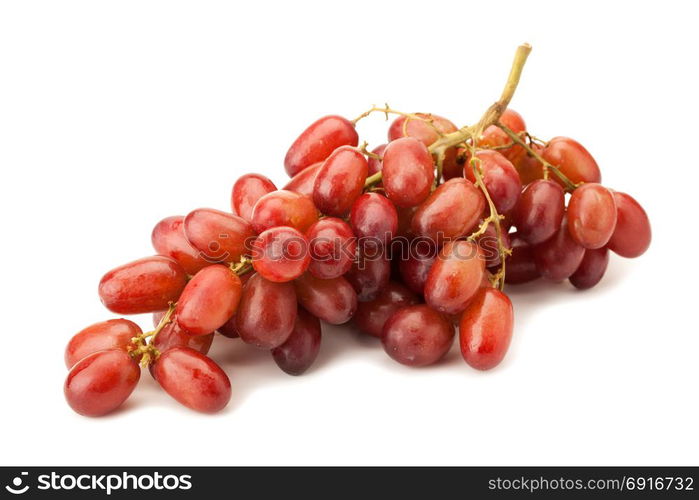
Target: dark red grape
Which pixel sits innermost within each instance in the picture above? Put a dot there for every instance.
(281, 254)
(488, 242)
(521, 267)
(591, 268)
(284, 208)
(539, 212)
(558, 257)
(374, 218)
(300, 350)
(246, 191)
(219, 236)
(333, 301)
(369, 273)
(340, 181)
(632, 235)
(408, 172)
(592, 215)
(173, 335)
(375, 164)
(415, 267)
(371, 316)
(332, 248)
(111, 334)
(500, 178)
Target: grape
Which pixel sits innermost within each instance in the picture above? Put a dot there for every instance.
(193, 379)
(414, 268)
(405, 220)
(369, 273)
(266, 312)
(111, 334)
(572, 159)
(318, 141)
(334, 301)
(208, 300)
(425, 132)
(173, 335)
(168, 239)
(375, 165)
(494, 136)
(246, 191)
(591, 268)
(304, 181)
(219, 236)
(284, 208)
(539, 212)
(488, 242)
(591, 215)
(340, 181)
(332, 248)
(281, 254)
(632, 235)
(485, 329)
(500, 178)
(521, 267)
(374, 218)
(141, 286)
(558, 258)
(100, 383)
(417, 336)
(451, 211)
(371, 316)
(408, 172)
(454, 277)
(300, 350)
(529, 168)
(229, 329)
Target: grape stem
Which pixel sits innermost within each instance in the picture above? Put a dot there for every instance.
(241, 267)
(147, 351)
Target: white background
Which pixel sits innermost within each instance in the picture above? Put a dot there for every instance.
(114, 115)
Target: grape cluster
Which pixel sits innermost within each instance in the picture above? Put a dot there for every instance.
(409, 241)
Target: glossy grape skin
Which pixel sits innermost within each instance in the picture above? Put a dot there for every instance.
(284, 208)
(142, 286)
(451, 211)
(100, 383)
(369, 274)
(300, 350)
(494, 136)
(500, 178)
(591, 269)
(417, 335)
(266, 313)
(488, 242)
(318, 141)
(375, 164)
(572, 159)
(208, 300)
(173, 335)
(591, 215)
(485, 330)
(454, 277)
(374, 217)
(416, 266)
(529, 168)
(281, 254)
(558, 257)
(408, 172)
(521, 267)
(110, 334)
(304, 181)
(334, 301)
(332, 247)
(229, 329)
(219, 236)
(632, 234)
(539, 212)
(168, 239)
(193, 379)
(419, 129)
(246, 191)
(340, 181)
(371, 316)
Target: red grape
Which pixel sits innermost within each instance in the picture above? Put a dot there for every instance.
(375, 165)
(374, 218)
(266, 312)
(572, 159)
(415, 267)
(284, 208)
(219, 236)
(318, 141)
(591, 215)
(304, 181)
(488, 242)
(111, 334)
(168, 239)
(632, 235)
(340, 181)
(300, 350)
(369, 273)
(500, 178)
(193, 379)
(100, 383)
(332, 248)
(521, 267)
(591, 268)
(422, 130)
(371, 316)
(408, 172)
(494, 136)
(208, 300)
(558, 257)
(539, 212)
(333, 301)
(454, 277)
(281, 254)
(173, 335)
(485, 329)
(529, 168)
(141, 286)
(417, 335)
(246, 191)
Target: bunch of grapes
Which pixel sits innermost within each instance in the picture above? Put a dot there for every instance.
(409, 241)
